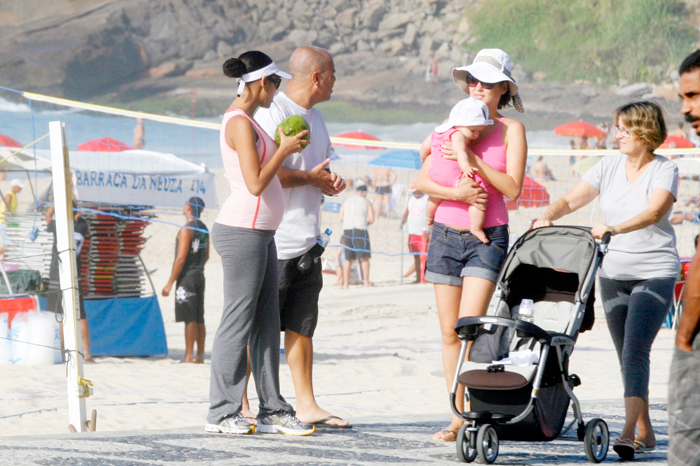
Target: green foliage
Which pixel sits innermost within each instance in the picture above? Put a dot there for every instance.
(635, 40)
(349, 112)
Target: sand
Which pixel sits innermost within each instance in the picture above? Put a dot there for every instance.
(377, 353)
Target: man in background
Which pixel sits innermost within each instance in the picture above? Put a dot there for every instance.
(9, 204)
(191, 253)
(417, 229)
(356, 214)
(305, 177)
(684, 384)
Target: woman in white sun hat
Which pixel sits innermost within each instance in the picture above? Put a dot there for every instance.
(463, 269)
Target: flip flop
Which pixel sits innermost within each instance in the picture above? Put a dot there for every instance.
(641, 447)
(452, 433)
(324, 423)
(624, 448)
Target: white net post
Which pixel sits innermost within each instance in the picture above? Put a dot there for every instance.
(68, 276)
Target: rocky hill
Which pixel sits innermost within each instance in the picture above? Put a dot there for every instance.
(384, 51)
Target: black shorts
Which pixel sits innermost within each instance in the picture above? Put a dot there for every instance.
(189, 297)
(54, 297)
(382, 190)
(299, 293)
(356, 244)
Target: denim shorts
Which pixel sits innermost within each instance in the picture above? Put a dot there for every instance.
(454, 254)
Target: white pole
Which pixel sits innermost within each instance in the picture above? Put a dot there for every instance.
(62, 192)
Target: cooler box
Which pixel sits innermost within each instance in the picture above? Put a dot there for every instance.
(14, 305)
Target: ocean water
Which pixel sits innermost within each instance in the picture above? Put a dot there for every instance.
(25, 122)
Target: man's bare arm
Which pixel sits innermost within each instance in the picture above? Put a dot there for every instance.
(319, 177)
(688, 326)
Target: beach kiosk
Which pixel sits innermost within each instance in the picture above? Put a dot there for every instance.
(118, 193)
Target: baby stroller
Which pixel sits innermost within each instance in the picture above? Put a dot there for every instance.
(555, 267)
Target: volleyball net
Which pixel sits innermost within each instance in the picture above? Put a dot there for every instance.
(138, 167)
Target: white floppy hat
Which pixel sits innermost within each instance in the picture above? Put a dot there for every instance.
(490, 66)
(17, 183)
(467, 112)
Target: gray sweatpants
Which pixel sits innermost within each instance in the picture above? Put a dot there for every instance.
(635, 310)
(684, 407)
(251, 316)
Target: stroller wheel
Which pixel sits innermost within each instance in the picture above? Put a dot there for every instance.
(466, 451)
(597, 440)
(487, 444)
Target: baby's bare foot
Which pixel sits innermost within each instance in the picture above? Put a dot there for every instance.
(479, 233)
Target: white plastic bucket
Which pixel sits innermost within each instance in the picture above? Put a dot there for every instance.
(19, 334)
(42, 338)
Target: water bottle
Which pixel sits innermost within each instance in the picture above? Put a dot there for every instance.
(313, 255)
(526, 313)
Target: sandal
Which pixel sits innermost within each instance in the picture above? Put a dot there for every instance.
(641, 447)
(445, 435)
(624, 448)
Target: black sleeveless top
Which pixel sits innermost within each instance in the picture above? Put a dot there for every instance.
(196, 253)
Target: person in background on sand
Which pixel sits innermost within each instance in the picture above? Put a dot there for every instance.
(679, 131)
(9, 204)
(417, 229)
(305, 178)
(463, 269)
(467, 119)
(54, 299)
(139, 134)
(244, 237)
(541, 172)
(683, 384)
(384, 179)
(356, 214)
(583, 143)
(637, 189)
(339, 261)
(191, 253)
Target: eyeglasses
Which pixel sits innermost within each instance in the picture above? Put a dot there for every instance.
(623, 132)
(276, 80)
(473, 82)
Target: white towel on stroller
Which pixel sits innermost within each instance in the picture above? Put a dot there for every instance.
(525, 357)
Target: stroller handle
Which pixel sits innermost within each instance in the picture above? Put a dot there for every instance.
(468, 328)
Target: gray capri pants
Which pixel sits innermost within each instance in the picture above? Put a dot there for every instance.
(635, 310)
(251, 316)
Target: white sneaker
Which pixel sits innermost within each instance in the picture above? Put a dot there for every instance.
(285, 423)
(231, 425)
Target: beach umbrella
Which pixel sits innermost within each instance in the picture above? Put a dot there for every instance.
(585, 164)
(579, 129)
(356, 135)
(676, 142)
(533, 195)
(7, 141)
(106, 144)
(400, 159)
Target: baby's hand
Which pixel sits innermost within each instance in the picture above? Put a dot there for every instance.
(469, 171)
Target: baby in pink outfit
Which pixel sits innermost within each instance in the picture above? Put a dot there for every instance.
(467, 119)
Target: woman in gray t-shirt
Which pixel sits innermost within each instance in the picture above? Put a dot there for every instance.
(637, 190)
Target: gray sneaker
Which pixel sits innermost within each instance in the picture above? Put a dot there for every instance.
(285, 423)
(231, 425)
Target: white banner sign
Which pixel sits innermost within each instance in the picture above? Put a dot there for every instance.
(153, 190)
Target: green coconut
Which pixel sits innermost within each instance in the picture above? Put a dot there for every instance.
(292, 126)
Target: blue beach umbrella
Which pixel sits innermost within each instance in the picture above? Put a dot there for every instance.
(400, 159)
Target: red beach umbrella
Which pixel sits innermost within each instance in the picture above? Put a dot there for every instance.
(104, 145)
(533, 195)
(7, 141)
(677, 142)
(579, 129)
(356, 135)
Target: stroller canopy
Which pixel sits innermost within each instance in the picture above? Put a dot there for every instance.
(562, 248)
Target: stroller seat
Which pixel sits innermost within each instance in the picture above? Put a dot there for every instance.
(484, 371)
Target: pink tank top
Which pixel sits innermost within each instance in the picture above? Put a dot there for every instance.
(242, 209)
(446, 172)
